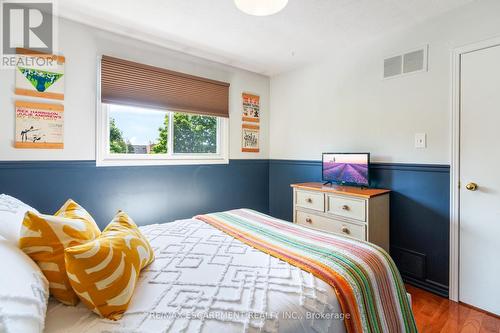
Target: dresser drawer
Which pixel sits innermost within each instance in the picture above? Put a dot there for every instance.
(314, 221)
(347, 207)
(311, 200)
(331, 225)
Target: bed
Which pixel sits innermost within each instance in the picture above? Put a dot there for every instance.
(243, 271)
(204, 280)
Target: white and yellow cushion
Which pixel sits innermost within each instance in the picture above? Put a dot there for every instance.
(12, 213)
(104, 272)
(44, 238)
(24, 291)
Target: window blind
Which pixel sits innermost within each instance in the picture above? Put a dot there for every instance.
(130, 83)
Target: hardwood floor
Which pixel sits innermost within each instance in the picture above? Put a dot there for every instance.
(435, 314)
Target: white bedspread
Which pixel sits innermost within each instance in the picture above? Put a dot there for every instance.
(206, 281)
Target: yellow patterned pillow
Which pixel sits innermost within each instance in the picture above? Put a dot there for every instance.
(104, 272)
(44, 238)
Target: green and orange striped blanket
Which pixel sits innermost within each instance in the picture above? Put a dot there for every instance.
(367, 283)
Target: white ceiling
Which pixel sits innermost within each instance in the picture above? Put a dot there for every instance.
(304, 31)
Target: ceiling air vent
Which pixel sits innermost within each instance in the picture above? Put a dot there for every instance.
(410, 62)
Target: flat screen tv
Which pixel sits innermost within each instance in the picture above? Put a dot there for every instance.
(347, 168)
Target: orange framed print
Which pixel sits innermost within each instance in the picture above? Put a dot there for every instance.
(250, 138)
(251, 108)
(39, 75)
(39, 125)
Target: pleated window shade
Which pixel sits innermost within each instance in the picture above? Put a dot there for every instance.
(130, 83)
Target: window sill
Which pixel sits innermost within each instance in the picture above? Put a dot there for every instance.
(137, 161)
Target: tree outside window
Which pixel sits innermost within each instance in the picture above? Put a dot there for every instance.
(192, 134)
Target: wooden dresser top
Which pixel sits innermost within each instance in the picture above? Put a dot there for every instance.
(349, 190)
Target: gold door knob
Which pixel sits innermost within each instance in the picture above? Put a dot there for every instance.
(309, 220)
(309, 200)
(345, 230)
(345, 207)
(471, 186)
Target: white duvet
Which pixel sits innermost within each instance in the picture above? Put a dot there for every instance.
(206, 281)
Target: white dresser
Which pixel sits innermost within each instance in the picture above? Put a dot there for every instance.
(349, 211)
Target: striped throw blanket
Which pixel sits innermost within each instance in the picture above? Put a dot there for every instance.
(364, 277)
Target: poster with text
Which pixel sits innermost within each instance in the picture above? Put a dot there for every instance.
(250, 138)
(39, 125)
(40, 75)
(251, 108)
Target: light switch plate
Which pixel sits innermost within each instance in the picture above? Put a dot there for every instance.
(420, 140)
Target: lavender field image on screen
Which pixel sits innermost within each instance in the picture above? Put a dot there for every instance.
(346, 168)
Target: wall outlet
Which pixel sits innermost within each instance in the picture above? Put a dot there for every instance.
(420, 140)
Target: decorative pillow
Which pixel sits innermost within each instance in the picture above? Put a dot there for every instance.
(24, 291)
(104, 272)
(11, 217)
(44, 238)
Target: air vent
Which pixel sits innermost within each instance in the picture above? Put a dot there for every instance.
(393, 66)
(409, 262)
(409, 62)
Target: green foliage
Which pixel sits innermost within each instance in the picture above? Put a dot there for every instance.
(41, 80)
(192, 134)
(117, 144)
(195, 134)
(130, 147)
(162, 142)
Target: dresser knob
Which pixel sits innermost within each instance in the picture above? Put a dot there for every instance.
(309, 220)
(345, 207)
(309, 200)
(345, 230)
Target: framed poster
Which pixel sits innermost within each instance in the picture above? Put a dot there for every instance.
(39, 75)
(39, 125)
(250, 138)
(251, 108)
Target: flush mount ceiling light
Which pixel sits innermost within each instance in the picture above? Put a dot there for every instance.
(260, 7)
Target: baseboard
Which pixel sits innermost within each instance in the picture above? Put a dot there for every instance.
(428, 285)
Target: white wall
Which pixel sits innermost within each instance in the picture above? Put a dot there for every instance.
(343, 104)
(82, 45)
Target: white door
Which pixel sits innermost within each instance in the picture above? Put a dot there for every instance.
(479, 280)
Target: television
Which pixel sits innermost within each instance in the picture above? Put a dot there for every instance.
(347, 169)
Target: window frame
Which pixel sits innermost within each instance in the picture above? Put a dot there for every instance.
(105, 158)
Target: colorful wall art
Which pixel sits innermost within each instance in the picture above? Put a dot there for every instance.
(39, 125)
(249, 129)
(251, 108)
(40, 75)
(250, 141)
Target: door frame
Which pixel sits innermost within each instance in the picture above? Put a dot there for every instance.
(455, 161)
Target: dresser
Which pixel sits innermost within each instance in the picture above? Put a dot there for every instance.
(361, 213)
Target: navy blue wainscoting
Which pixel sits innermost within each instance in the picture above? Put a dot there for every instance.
(419, 232)
(153, 194)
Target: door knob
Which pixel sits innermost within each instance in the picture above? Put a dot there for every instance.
(471, 186)
(345, 230)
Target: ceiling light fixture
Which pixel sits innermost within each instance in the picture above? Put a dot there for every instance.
(260, 7)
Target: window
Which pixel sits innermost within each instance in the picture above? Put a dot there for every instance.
(155, 116)
(142, 136)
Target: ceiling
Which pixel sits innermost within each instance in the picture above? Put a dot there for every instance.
(305, 31)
